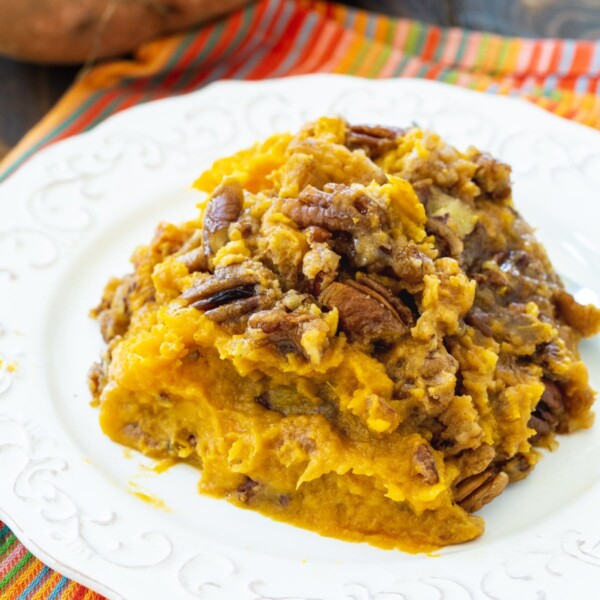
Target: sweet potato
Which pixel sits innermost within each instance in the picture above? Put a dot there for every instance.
(75, 31)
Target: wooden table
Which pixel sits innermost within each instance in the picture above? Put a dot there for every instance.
(27, 92)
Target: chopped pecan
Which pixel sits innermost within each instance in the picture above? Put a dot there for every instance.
(213, 291)
(317, 235)
(217, 299)
(230, 294)
(546, 417)
(475, 492)
(424, 464)
(233, 315)
(192, 255)
(410, 266)
(479, 320)
(543, 425)
(320, 266)
(195, 240)
(223, 209)
(283, 330)
(96, 379)
(339, 208)
(192, 356)
(519, 466)
(424, 190)
(380, 292)
(474, 461)
(375, 140)
(362, 316)
(247, 490)
(263, 400)
(114, 312)
(492, 176)
(446, 237)
(553, 396)
(194, 260)
(136, 434)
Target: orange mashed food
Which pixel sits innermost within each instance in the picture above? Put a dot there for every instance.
(356, 334)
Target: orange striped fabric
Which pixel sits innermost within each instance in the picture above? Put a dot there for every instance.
(278, 38)
(24, 577)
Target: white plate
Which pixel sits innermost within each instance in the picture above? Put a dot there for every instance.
(70, 218)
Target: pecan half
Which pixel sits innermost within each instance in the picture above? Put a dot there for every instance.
(375, 140)
(231, 293)
(223, 209)
(380, 292)
(475, 492)
(424, 464)
(363, 315)
(212, 291)
(339, 208)
(225, 297)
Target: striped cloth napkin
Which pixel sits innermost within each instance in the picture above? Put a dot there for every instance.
(277, 38)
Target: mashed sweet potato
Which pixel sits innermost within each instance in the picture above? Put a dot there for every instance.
(357, 334)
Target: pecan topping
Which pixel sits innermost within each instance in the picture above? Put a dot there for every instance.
(364, 315)
(192, 253)
(479, 320)
(380, 292)
(546, 416)
(424, 464)
(114, 312)
(410, 265)
(317, 235)
(247, 490)
(283, 330)
(475, 461)
(492, 176)
(339, 208)
(475, 492)
(212, 291)
(320, 266)
(375, 140)
(136, 433)
(223, 209)
(194, 260)
(519, 466)
(446, 237)
(230, 294)
(225, 297)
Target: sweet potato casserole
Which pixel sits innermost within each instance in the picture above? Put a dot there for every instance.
(358, 334)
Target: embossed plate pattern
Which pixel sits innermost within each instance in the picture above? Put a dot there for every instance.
(70, 218)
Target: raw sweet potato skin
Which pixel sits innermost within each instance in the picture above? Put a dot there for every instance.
(76, 31)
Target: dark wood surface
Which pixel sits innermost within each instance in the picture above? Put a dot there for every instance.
(27, 92)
